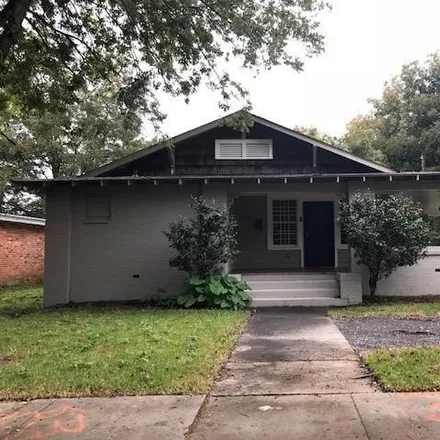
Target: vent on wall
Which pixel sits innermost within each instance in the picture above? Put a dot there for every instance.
(97, 209)
(233, 149)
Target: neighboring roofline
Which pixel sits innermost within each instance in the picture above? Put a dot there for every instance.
(216, 123)
(22, 219)
(426, 176)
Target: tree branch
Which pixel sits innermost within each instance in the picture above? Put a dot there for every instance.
(8, 138)
(11, 19)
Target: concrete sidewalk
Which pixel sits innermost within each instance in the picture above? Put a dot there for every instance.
(294, 376)
(128, 418)
(321, 417)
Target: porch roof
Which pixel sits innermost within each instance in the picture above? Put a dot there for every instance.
(232, 179)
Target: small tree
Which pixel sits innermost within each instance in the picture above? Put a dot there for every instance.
(385, 233)
(203, 244)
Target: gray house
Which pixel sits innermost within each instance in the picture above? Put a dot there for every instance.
(104, 238)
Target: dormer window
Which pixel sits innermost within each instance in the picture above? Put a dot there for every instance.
(238, 149)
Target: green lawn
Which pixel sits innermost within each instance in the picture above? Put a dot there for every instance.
(405, 369)
(107, 351)
(395, 309)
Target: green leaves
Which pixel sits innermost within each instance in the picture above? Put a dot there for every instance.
(205, 243)
(154, 46)
(404, 123)
(386, 232)
(225, 292)
(63, 143)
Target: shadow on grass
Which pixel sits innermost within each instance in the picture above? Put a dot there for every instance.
(20, 300)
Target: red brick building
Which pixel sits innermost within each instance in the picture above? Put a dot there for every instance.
(21, 249)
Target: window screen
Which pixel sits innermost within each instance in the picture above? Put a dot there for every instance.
(284, 222)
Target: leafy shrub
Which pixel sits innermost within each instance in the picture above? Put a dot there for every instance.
(385, 233)
(215, 291)
(203, 245)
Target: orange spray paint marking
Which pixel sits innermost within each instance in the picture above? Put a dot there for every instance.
(33, 428)
(434, 412)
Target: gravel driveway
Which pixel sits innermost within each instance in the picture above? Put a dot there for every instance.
(364, 333)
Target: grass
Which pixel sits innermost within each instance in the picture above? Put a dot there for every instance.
(405, 369)
(107, 351)
(392, 309)
(20, 299)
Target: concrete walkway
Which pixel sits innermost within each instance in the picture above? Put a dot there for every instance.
(294, 376)
(286, 352)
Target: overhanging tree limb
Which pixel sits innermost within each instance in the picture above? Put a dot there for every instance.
(11, 19)
(8, 138)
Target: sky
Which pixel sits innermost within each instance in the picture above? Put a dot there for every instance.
(367, 42)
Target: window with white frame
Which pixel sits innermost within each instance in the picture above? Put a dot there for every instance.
(283, 224)
(233, 149)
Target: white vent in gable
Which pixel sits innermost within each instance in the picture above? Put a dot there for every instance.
(259, 150)
(228, 149)
(234, 149)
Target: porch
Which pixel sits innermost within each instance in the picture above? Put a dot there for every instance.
(292, 251)
(294, 232)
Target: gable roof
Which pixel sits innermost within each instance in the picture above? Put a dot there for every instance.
(219, 122)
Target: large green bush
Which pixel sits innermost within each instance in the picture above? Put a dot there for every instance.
(204, 244)
(215, 291)
(385, 232)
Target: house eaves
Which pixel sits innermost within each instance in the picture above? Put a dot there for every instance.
(393, 177)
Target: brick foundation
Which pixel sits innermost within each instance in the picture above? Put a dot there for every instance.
(21, 253)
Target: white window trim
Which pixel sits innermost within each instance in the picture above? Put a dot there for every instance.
(270, 245)
(243, 149)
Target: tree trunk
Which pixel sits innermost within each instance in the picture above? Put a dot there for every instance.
(372, 281)
(11, 19)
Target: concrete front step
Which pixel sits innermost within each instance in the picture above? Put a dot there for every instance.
(298, 302)
(293, 289)
(295, 293)
(287, 276)
(300, 284)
